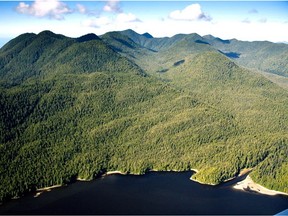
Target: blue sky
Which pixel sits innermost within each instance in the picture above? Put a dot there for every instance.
(245, 20)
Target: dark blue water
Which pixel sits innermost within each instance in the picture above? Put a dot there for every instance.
(153, 193)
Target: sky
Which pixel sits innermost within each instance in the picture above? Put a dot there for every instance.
(244, 20)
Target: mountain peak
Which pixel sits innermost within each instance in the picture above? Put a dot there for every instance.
(87, 37)
(47, 33)
(209, 37)
(129, 31)
(212, 38)
(147, 35)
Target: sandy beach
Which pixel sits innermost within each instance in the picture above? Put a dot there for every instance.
(244, 182)
(48, 188)
(45, 189)
(249, 185)
(114, 172)
(81, 179)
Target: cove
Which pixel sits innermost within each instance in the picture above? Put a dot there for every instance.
(152, 193)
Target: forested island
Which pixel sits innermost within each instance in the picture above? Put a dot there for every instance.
(76, 108)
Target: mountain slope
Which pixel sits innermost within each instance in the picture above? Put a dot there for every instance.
(155, 54)
(261, 55)
(255, 105)
(81, 125)
(84, 107)
(47, 54)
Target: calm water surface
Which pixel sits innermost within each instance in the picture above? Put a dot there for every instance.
(153, 193)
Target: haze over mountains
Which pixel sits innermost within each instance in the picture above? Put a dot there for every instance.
(78, 107)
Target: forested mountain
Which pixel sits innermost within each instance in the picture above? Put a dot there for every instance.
(262, 55)
(46, 54)
(155, 54)
(79, 107)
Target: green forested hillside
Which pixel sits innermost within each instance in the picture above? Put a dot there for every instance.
(49, 54)
(156, 54)
(261, 55)
(255, 106)
(83, 107)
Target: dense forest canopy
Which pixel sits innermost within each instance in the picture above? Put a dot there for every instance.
(79, 107)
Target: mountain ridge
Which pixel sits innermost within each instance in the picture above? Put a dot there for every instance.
(41, 50)
(257, 58)
(259, 55)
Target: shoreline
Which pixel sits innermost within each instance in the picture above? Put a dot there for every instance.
(197, 181)
(82, 179)
(46, 189)
(250, 186)
(49, 188)
(114, 172)
(245, 182)
(202, 183)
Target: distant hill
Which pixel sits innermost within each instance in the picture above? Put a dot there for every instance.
(152, 53)
(79, 107)
(262, 55)
(155, 54)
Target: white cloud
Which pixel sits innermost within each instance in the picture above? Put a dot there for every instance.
(112, 6)
(122, 20)
(97, 22)
(246, 20)
(263, 20)
(127, 17)
(192, 12)
(81, 8)
(53, 9)
(260, 27)
(253, 11)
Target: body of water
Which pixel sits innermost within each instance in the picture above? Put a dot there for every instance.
(152, 193)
